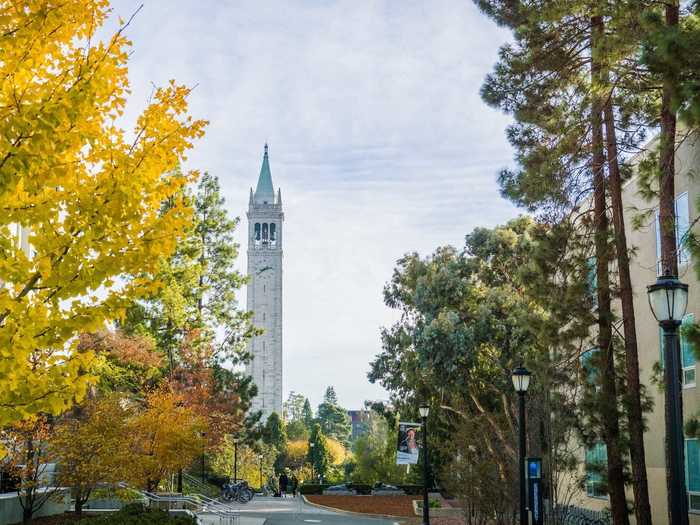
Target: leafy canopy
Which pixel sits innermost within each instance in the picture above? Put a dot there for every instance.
(81, 198)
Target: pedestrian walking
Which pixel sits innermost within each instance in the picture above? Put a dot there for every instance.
(295, 484)
(284, 481)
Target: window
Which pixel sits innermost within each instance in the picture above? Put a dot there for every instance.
(592, 277)
(273, 232)
(687, 353)
(589, 368)
(682, 228)
(264, 232)
(257, 232)
(692, 473)
(596, 463)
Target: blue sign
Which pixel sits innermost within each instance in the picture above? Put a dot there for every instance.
(534, 468)
(534, 492)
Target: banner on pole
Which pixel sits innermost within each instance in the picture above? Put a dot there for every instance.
(408, 448)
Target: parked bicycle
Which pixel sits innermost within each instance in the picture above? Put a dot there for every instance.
(237, 491)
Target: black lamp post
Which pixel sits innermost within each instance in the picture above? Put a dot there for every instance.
(203, 434)
(313, 458)
(235, 459)
(424, 409)
(668, 299)
(260, 456)
(521, 380)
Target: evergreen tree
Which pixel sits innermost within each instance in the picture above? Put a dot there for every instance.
(294, 407)
(218, 280)
(540, 79)
(274, 433)
(515, 294)
(294, 415)
(319, 454)
(334, 420)
(308, 415)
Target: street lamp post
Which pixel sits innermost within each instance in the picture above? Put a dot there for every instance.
(260, 457)
(668, 299)
(235, 459)
(203, 434)
(424, 409)
(521, 381)
(313, 473)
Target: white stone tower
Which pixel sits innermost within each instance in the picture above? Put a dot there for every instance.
(265, 219)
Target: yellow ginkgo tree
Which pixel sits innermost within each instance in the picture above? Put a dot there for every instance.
(81, 199)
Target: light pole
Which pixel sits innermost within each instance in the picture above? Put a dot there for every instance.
(668, 299)
(204, 434)
(424, 409)
(313, 473)
(260, 456)
(235, 459)
(521, 380)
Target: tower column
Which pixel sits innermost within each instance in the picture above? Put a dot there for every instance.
(265, 291)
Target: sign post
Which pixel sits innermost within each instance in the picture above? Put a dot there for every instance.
(534, 490)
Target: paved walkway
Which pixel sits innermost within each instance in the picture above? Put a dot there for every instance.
(292, 511)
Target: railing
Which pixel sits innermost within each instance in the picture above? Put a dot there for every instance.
(201, 504)
(199, 485)
(572, 515)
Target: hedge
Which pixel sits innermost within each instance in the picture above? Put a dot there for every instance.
(138, 514)
(312, 488)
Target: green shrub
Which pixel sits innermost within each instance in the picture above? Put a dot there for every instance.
(312, 488)
(138, 514)
(433, 504)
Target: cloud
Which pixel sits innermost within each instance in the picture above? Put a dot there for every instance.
(378, 139)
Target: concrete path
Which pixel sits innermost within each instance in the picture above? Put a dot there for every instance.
(293, 511)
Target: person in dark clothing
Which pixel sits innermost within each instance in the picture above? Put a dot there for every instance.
(284, 481)
(295, 484)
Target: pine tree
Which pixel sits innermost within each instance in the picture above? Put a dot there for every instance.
(540, 79)
(308, 415)
(219, 281)
(334, 420)
(319, 455)
(609, 398)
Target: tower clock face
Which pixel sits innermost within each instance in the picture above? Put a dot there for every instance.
(264, 269)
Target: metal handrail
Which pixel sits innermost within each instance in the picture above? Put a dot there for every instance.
(228, 515)
(198, 483)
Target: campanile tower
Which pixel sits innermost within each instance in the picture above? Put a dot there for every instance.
(265, 239)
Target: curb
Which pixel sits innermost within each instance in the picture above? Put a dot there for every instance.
(352, 513)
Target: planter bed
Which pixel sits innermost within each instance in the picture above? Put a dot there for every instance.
(400, 506)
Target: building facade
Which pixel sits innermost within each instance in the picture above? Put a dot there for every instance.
(265, 218)
(359, 423)
(644, 268)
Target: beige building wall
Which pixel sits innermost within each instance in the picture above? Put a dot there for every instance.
(643, 268)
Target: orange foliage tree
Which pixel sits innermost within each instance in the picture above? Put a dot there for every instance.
(89, 448)
(161, 439)
(28, 459)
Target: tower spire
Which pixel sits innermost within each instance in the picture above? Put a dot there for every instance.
(264, 192)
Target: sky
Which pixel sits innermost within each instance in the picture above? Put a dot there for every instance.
(378, 139)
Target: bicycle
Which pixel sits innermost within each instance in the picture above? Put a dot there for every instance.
(238, 491)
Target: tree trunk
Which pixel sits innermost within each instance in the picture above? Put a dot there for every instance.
(608, 401)
(667, 167)
(640, 487)
(27, 514)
